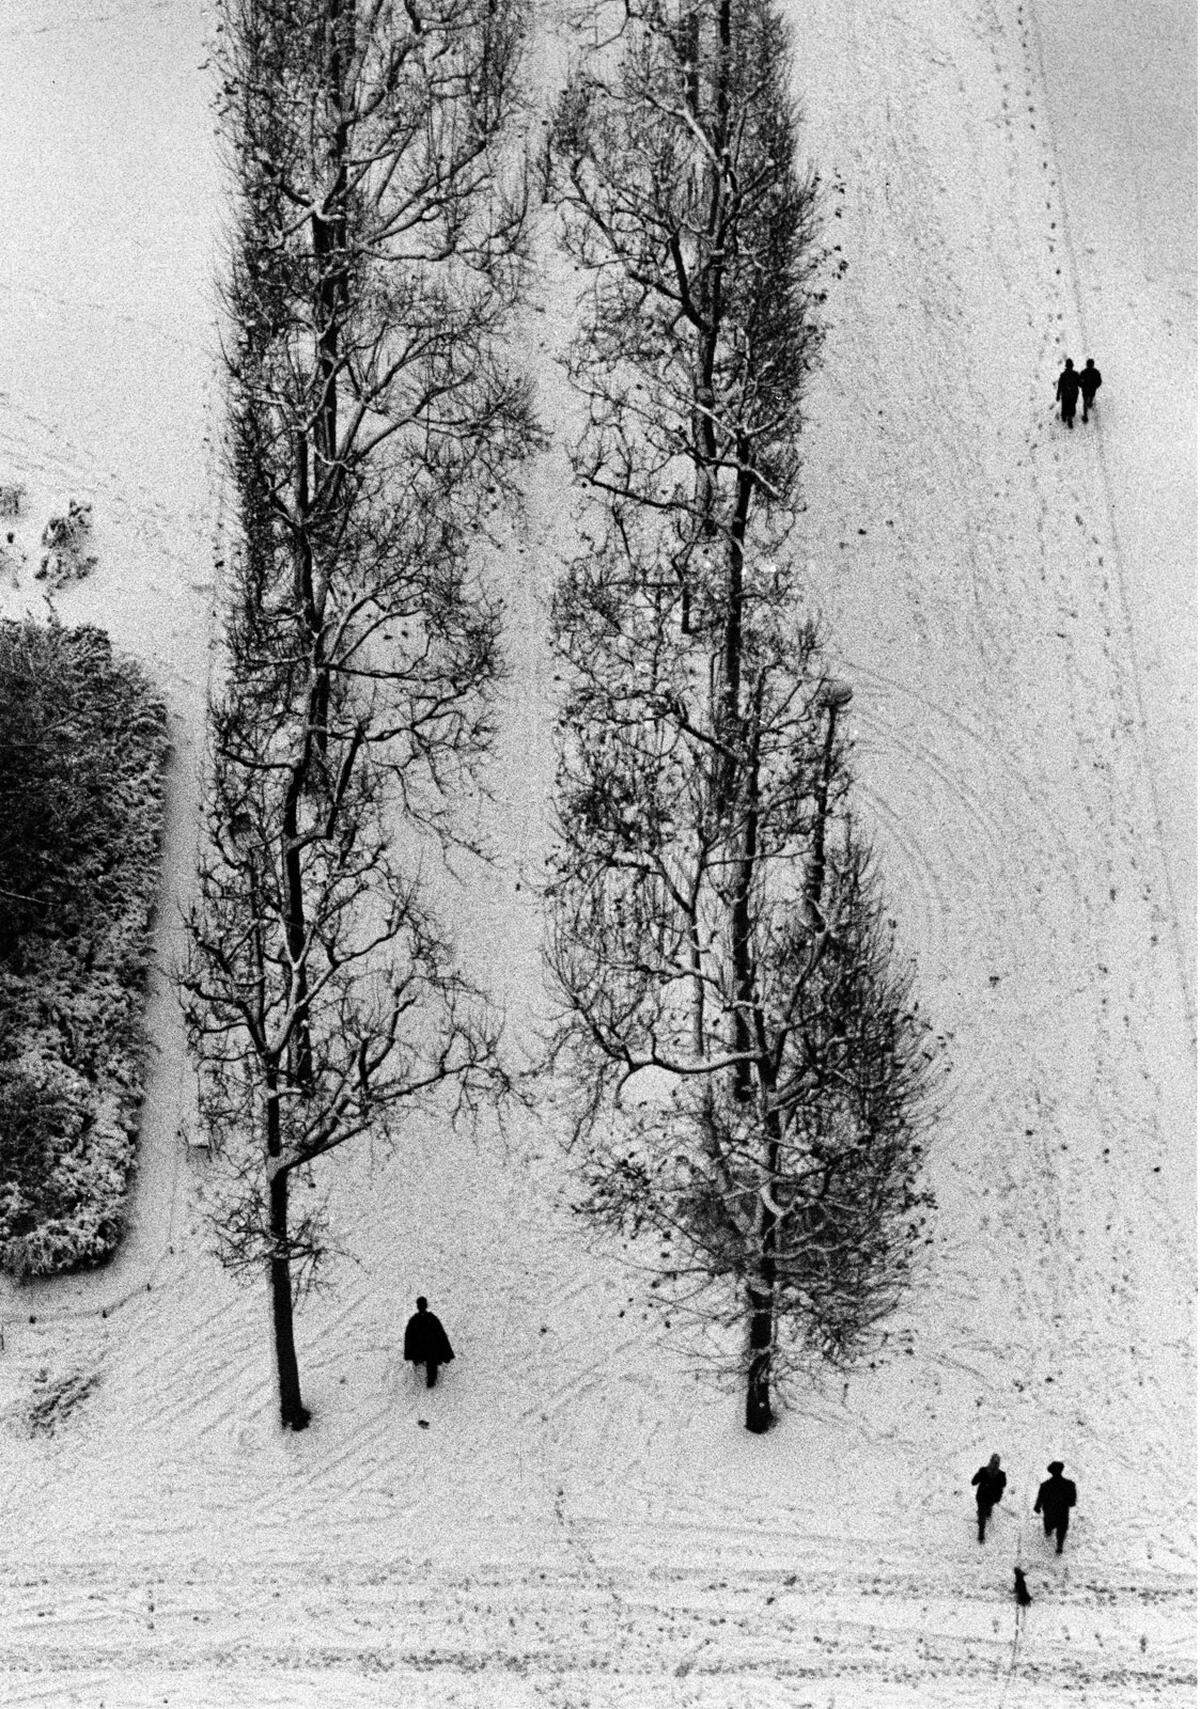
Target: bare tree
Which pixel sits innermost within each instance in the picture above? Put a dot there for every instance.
(305, 1048)
(374, 425)
(713, 918)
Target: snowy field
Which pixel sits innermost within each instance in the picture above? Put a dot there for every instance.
(584, 1523)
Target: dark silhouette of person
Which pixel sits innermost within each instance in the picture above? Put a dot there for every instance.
(1055, 1499)
(1067, 392)
(426, 1342)
(989, 1482)
(1089, 384)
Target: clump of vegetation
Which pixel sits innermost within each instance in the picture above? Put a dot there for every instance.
(83, 741)
(67, 541)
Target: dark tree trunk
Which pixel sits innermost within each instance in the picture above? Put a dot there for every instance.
(761, 1293)
(759, 1417)
(293, 1413)
(293, 880)
(741, 918)
(331, 304)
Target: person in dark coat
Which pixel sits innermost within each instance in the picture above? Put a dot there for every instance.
(989, 1482)
(1067, 392)
(1055, 1499)
(1089, 384)
(426, 1342)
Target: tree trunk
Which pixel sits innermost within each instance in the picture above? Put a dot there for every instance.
(330, 309)
(761, 1292)
(297, 928)
(759, 1417)
(293, 1413)
(741, 914)
(760, 1340)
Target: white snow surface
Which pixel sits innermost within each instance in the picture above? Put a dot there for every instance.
(584, 1522)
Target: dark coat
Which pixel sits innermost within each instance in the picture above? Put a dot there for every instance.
(1089, 383)
(425, 1339)
(1055, 1498)
(1068, 386)
(991, 1485)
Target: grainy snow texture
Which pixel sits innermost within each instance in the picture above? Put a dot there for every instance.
(583, 1522)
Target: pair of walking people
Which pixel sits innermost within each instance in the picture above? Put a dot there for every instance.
(1074, 385)
(1055, 1498)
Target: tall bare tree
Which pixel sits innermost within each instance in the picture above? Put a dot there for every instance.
(374, 426)
(714, 920)
(303, 1051)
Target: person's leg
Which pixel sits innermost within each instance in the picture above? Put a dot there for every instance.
(1047, 1524)
(431, 1370)
(983, 1511)
(1060, 1532)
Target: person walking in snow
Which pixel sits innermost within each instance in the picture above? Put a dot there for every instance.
(989, 1482)
(1055, 1499)
(1089, 384)
(1067, 392)
(426, 1342)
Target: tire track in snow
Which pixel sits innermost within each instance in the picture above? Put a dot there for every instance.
(841, 1625)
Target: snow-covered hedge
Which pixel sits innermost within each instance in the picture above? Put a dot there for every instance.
(83, 740)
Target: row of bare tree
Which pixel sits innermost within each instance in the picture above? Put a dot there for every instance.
(754, 1075)
(752, 1071)
(373, 419)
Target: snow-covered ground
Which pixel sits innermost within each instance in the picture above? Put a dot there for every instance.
(584, 1522)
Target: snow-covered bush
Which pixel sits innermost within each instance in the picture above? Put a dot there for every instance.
(82, 746)
(67, 539)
